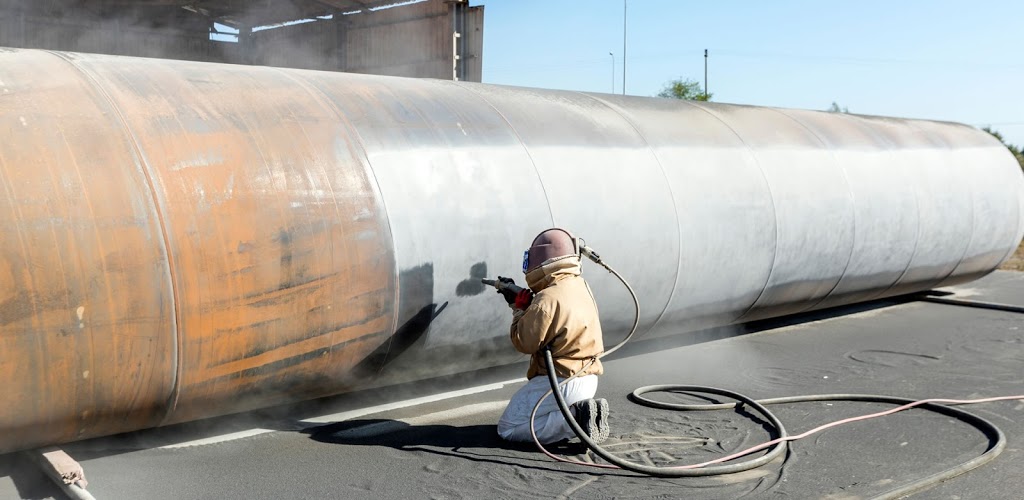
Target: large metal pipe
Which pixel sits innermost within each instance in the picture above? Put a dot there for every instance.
(182, 240)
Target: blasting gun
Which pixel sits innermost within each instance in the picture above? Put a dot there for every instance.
(516, 296)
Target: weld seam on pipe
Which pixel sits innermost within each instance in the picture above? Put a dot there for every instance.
(672, 196)
(853, 205)
(143, 165)
(772, 196)
(328, 102)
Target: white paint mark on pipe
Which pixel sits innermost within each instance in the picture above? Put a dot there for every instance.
(200, 160)
(366, 235)
(363, 214)
(81, 314)
(85, 374)
(24, 123)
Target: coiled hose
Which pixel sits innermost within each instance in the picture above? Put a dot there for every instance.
(775, 447)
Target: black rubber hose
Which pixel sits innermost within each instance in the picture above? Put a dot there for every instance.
(995, 306)
(773, 452)
(996, 437)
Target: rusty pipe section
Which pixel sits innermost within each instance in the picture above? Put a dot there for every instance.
(183, 240)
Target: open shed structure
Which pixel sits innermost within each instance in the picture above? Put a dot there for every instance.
(426, 38)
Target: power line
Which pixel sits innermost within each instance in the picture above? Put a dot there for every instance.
(679, 56)
(863, 60)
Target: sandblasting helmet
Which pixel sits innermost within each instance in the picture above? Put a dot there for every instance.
(550, 243)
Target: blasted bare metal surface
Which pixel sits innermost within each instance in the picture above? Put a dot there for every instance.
(611, 195)
(202, 239)
(450, 171)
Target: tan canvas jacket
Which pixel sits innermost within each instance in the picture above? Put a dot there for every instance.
(563, 314)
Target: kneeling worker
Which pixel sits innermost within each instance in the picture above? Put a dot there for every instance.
(560, 313)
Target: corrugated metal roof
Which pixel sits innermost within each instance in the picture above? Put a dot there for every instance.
(249, 13)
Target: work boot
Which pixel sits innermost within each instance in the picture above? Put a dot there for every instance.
(592, 415)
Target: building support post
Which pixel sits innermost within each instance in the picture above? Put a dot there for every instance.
(458, 15)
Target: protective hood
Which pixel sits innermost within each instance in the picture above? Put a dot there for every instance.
(553, 270)
(549, 244)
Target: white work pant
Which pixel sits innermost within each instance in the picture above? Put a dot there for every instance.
(514, 424)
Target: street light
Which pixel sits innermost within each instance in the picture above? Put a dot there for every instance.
(613, 71)
(623, 47)
(705, 72)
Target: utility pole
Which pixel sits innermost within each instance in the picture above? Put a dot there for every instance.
(613, 71)
(705, 72)
(624, 47)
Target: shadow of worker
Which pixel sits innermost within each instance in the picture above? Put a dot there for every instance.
(478, 443)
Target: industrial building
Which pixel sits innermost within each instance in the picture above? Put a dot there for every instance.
(428, 38)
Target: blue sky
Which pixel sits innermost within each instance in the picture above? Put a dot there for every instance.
(961, 61)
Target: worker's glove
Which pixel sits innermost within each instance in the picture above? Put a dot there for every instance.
(508, 292)
(523, 299)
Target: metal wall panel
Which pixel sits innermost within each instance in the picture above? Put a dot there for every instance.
(11, 30)
(113, 36)
(391, 41)
(411, 40)
(473, 59)
(307, 46)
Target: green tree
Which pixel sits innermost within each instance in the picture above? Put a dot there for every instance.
(1016, 150)
(686, 89)
(834, 108)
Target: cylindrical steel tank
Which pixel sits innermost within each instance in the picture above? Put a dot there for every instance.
(182, 240)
